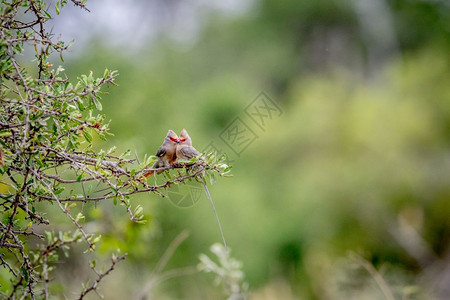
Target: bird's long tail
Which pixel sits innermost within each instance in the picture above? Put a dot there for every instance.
(215, 213)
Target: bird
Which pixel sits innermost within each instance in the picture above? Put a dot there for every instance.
(166, 153)
(184, 149)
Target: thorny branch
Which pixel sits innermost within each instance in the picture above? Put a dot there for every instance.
(100, 276)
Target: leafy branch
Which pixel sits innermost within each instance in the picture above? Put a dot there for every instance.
(48, 127)
(228, 272)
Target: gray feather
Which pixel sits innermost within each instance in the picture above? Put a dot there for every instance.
(161, 151)
(189, 152)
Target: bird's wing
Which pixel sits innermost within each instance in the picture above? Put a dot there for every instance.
(158, 164)
(189, 152)
(161, 151)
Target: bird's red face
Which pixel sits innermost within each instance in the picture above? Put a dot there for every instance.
(184, 136)
(174, 139)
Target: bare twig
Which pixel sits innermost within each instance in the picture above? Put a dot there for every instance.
(100, 276)
(384, 287)
(170, 250)
(158, 276)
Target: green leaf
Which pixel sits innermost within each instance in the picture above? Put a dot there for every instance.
(98, 105)
(79, 216)
(138, 210)
(25, 274)
(212, 178)
(5, 133)
(87, 136)
(111, 150)
(125, 154)
(48, 235)
(102, 136)
(227, 168)
(59, 191)
(97, 239)
(151, 160)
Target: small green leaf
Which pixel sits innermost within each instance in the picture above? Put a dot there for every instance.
(28, 226)
(212, 178)
(5, 133)
(97, 239)
(138, 210)
(59, 191)
(80, 216)
(125, 154)
(48, 235)
(111, 150)
(87, 136)
(25, 274)
(98, 105)
(151, 160)
(102, 136)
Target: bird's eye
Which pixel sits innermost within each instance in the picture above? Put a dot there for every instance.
(182, 140)
(172, 139)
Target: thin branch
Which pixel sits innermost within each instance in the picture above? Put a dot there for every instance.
(170, 250)
(157, 276)
(384, 287)
(45, 272)
(100, 276)
(4, 263)
(64, 210)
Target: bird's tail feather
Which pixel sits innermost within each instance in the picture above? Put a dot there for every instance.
(215, 213)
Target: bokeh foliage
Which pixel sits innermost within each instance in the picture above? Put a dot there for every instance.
(358, 156)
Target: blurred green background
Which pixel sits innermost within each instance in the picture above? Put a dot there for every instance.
(358, 162)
